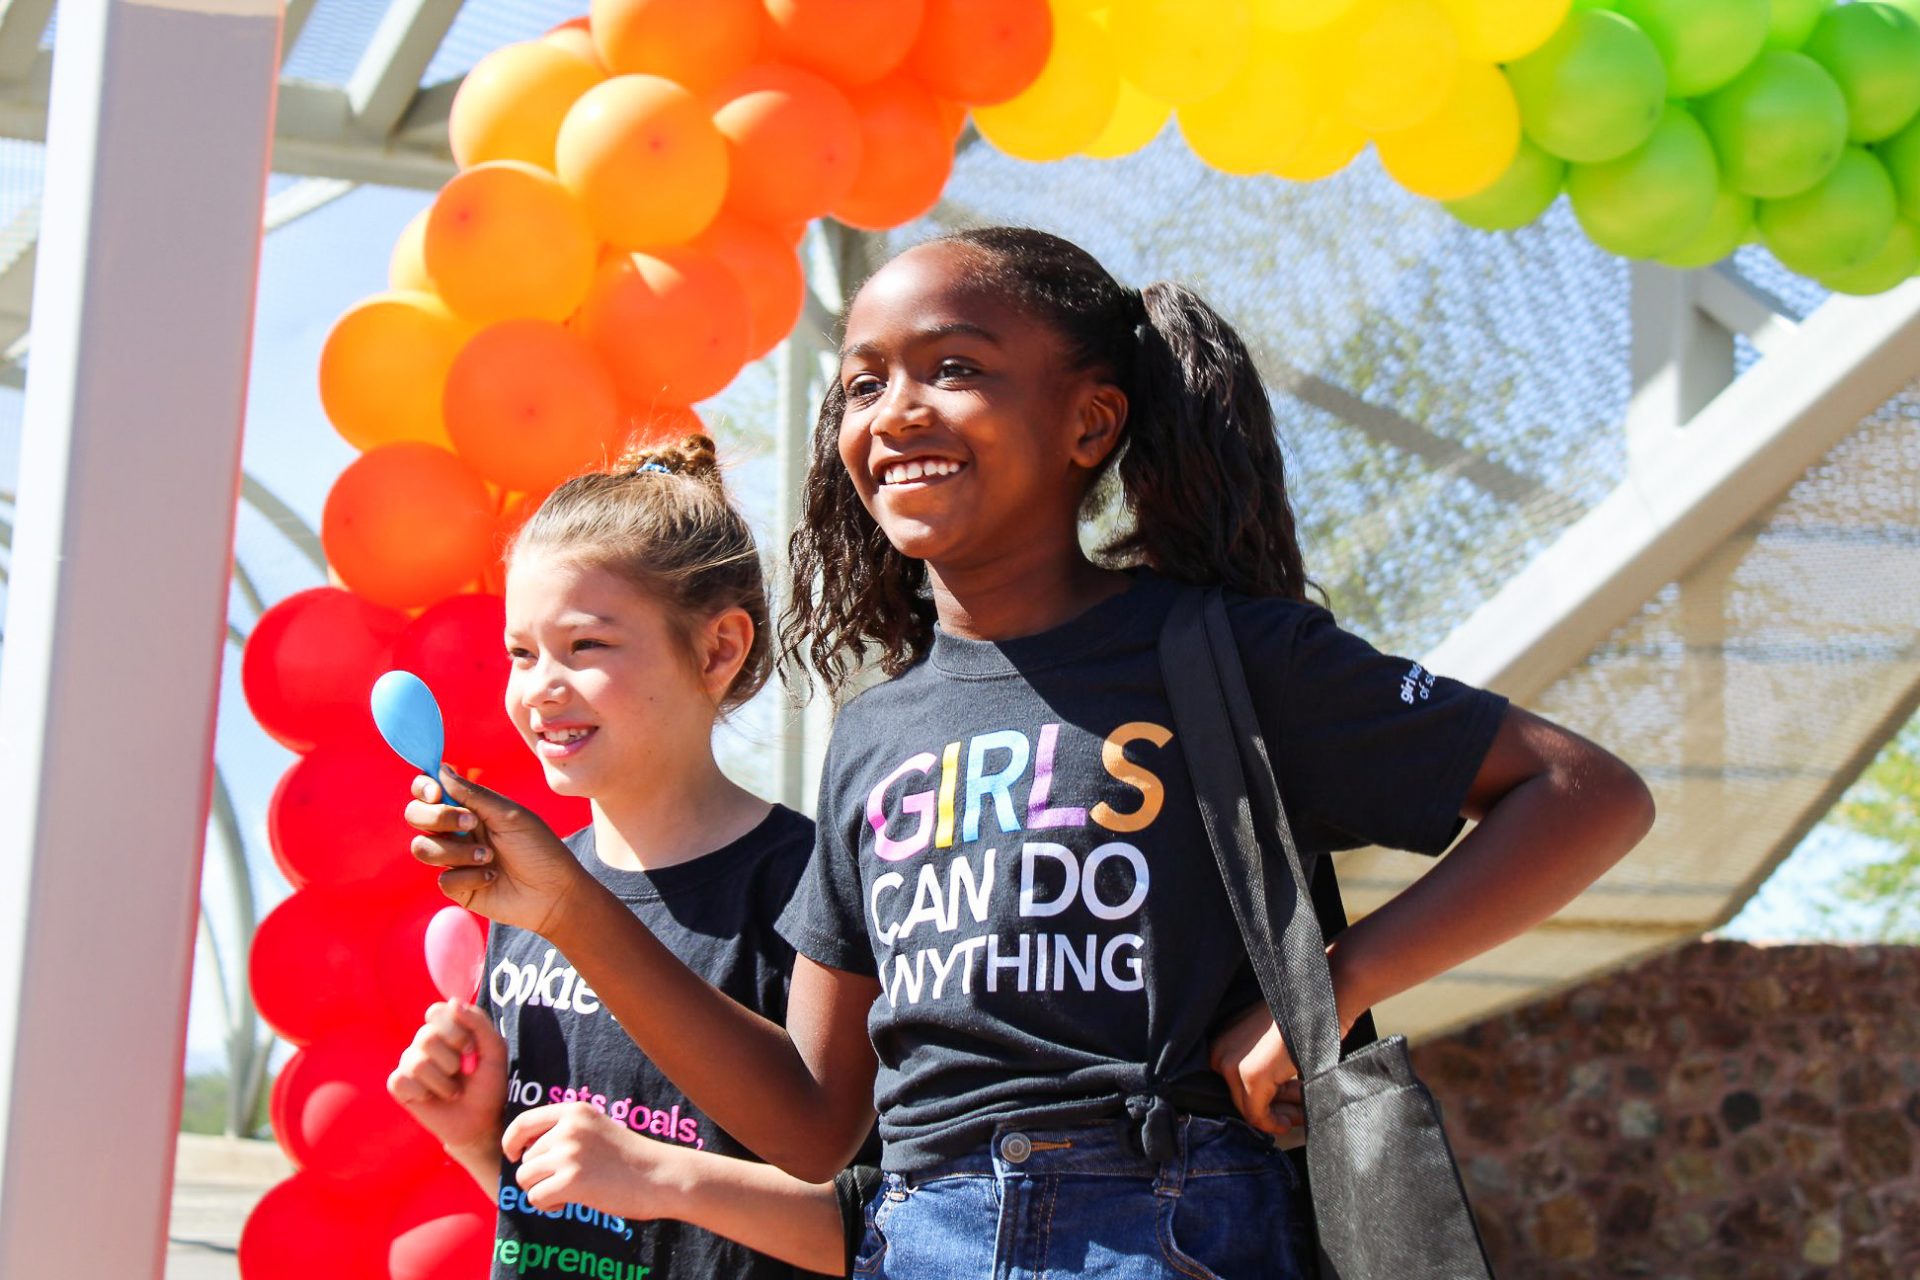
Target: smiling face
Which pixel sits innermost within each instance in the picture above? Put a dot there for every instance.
(603, 687)
(967, 433)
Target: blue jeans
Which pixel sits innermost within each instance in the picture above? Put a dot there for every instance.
(1042, 1205)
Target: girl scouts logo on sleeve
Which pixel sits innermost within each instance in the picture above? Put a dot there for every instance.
(1416, 684)
(1077, 877)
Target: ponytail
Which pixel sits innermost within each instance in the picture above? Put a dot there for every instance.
(1201, 479)
(1200, 467)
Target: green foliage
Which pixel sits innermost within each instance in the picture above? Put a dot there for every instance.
(1885, 805)
(203, 1105)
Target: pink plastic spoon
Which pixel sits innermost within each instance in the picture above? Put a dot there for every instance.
(456, 953)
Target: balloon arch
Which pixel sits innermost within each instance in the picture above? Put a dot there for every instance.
(621, 238)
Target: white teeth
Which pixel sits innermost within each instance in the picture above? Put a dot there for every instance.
(918, 468)
(564, 735)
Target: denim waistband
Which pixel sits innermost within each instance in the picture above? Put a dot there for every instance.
(1200, 1145)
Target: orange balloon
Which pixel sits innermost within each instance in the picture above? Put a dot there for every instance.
(515, 510)
(672, 327)
(906, 154)
(954, 116)
(406, 524)
(509, 107)
(794, 142)
(382, 368)
(528, 403)
(575, 35)
(645, 160)
(981, 51)
(850, 42)
(407, 266)
(699, 43)
(768, 271)
(505, 239)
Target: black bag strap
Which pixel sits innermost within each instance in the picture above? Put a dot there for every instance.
(1200, 664)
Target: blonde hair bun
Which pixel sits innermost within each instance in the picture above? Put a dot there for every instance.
(692, 456)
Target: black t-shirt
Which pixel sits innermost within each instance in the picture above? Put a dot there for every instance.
(717, 914)
(1008, 839)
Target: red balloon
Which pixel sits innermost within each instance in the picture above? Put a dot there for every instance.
(303, 1229)
(524, 781)
(981, 51)
(518, 508)
(906, 156)
(337, 821)
(311, 968)
(443, 1230)
(310, 662)
(457, 647)
(338, 1121)
(794, 142)
(406, 986)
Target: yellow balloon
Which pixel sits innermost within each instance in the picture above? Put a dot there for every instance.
(1298, 15)
(1067, 107)
(407, 267)
(1331, 145)
(1464, 147)
(1137, 120)
(1393, 62)
(1262, 117)
(1180, 51)
(1502, 30)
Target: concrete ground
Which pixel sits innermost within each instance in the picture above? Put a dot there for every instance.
(216, 1183)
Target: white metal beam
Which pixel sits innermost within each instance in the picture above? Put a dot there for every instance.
(1734, 458)
(388, 74)
(156, 168)
(315, 134)
(22, 23)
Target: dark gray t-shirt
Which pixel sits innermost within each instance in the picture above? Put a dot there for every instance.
(1007, 838)
(716, 913)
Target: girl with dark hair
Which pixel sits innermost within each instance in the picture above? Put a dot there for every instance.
(1012, 940)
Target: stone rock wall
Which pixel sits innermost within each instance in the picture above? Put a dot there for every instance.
(1722, 1112)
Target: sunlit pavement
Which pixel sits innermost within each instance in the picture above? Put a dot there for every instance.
(216, 1183)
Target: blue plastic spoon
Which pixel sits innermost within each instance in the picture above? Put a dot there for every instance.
(409, 719)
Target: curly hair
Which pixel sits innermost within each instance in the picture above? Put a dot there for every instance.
(1202, 484)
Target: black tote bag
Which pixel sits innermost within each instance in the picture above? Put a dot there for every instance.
(1388, 1203)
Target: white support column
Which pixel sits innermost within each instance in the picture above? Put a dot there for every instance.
(1681, 358)
(160, 128)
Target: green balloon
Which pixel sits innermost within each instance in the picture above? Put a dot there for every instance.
(1901, 155)
(1728, 227)
(1704, 43)
(1836, 226)
(1518, 196)
(1909, 7)
(1873, 52)
(1896, 261)
(1592, 92)
(1792, 21)
(1779, 127)
(1654, 198)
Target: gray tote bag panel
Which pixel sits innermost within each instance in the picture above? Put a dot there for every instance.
(1388, 1203)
